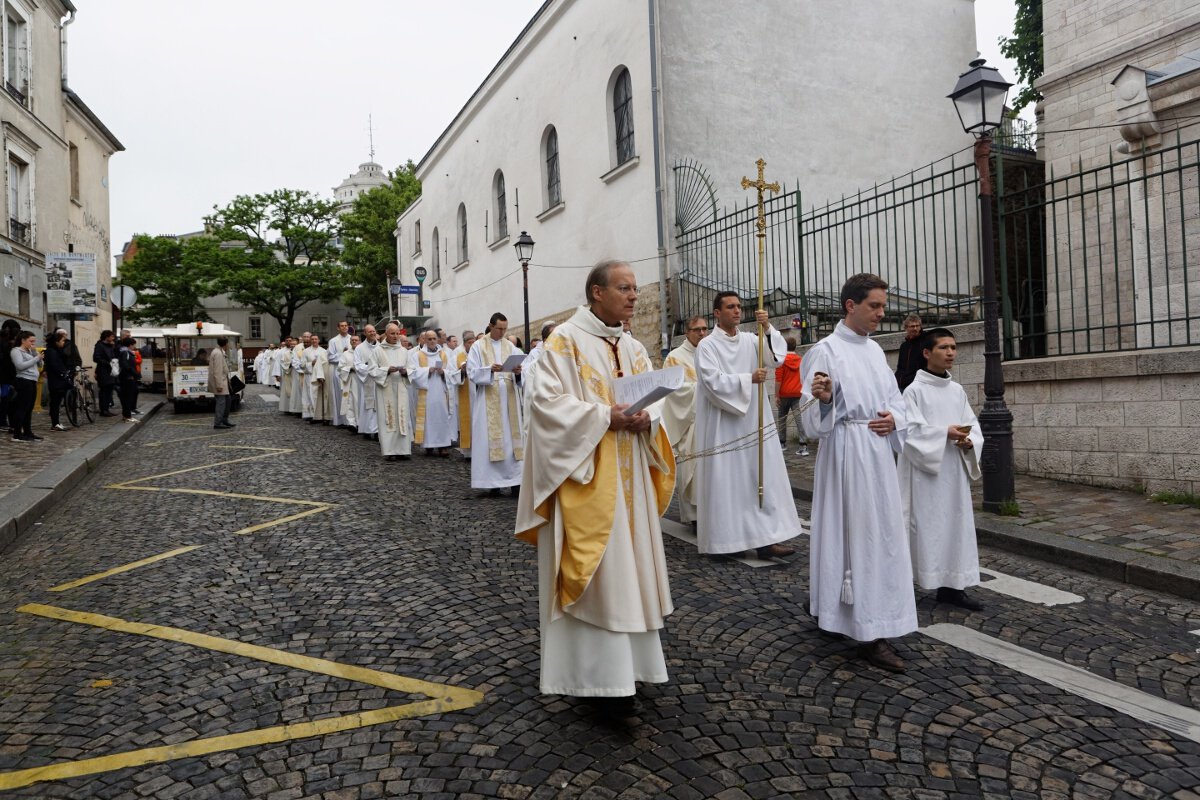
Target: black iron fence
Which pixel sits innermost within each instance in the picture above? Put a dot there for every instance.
(1102, 259)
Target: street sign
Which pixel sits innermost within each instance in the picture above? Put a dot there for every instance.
(395, 288)
(426, 304)
(420, 273)
(409, 290)
(124, 297)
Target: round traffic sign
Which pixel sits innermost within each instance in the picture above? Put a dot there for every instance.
(420, 273)
(124, 297)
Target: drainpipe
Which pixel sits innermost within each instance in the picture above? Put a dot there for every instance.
(659, 180)
(62, 43)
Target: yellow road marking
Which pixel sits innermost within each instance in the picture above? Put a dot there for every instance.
(62, 587)
(198, 438)
(132, 485)
(443, 699)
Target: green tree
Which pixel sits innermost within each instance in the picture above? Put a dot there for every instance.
(171, 277)
(278, 253)
(1025, 47)
(370, 244)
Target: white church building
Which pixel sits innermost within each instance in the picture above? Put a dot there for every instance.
(573, 134)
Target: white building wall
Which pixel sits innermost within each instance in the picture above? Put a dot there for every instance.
(836, 95)
(558, 74)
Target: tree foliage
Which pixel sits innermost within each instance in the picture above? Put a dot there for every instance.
(1025, 47)
(278, 253)
(370, 243)
(171, 277)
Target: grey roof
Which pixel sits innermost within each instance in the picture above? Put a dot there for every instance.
(1185, 63)
(77, 101)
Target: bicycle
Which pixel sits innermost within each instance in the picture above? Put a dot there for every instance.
(80, 397)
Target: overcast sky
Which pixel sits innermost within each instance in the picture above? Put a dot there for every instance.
(230, 97)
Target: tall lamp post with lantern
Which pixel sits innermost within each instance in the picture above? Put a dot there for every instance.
(524, 248)
(979, 98)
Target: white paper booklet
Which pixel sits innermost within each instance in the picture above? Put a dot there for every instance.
(513, 362)
(640, 391)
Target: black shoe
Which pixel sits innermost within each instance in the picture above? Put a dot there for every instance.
(107, 414)
(958, 597)
(515, 491)
(493, 492)
(615, 707)
(33, 437)
(404, 458)
(230, 425)
(221, 427)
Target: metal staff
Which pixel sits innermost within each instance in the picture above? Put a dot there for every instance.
(761, 185)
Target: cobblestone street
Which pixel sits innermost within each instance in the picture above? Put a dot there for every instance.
(345, 628)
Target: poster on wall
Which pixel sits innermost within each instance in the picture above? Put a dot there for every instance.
(71, 283)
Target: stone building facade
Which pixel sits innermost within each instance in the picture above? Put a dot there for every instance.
(573, 136)
(56, 153)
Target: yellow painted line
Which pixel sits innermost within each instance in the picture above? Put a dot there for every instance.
(443, 699)
(128, 483)
(62, 587)
(198, 438)
(282, 520)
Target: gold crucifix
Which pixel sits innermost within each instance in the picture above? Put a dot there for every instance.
(761, 186)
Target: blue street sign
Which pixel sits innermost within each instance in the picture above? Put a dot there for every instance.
(426, 304)
(410, 290)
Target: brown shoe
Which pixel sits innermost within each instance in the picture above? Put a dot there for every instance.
(774, 551)
(881, 654)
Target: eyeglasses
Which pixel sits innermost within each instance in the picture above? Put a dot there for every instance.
(703, 329)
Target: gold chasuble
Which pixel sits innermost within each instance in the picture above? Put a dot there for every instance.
(464, 405)
(583, 484)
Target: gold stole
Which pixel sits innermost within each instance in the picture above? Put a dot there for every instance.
(588, 509)
(423, 360)
(492, 394)
(464, 407)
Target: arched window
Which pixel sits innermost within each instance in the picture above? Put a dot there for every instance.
(553, 181)
(462, 233)
(437, 259)
(622, 105)
(501, 207)
(416, 237)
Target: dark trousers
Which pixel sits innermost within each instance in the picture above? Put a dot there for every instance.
(786, 404)
(105, 393)
(128, 392)
(20, 413)
(57, 395)
(221, 405)
(6, 402)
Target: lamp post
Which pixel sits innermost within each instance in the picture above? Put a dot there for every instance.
(979, 98)
(524, 248)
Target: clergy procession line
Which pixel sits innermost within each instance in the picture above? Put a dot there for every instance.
(892, 475)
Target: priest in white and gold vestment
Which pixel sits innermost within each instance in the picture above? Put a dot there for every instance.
(389, 371)
(594, 486)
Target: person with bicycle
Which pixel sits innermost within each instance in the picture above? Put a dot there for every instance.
(57, 369)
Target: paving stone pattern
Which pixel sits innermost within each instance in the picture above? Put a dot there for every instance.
(415, 574)
(23, 459)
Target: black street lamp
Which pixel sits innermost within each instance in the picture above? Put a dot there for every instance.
(524, 248)
(979, 98)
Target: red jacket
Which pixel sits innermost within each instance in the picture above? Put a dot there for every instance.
(787, 376)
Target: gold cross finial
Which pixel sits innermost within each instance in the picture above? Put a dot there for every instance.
(762, 186)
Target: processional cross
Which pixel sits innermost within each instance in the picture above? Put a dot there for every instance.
(761, 186)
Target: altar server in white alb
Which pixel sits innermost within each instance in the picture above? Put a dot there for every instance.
(679, 417)
(596, 482)
(364, 357)
(497, 446)
(860, 571)
(338, 345)
(389, 370)
(940, 459)
(431, 371)
(283, 369)
(728, 380)
(298, 375)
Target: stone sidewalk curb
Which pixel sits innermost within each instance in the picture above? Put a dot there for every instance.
(1161, 574)
(30, 501)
